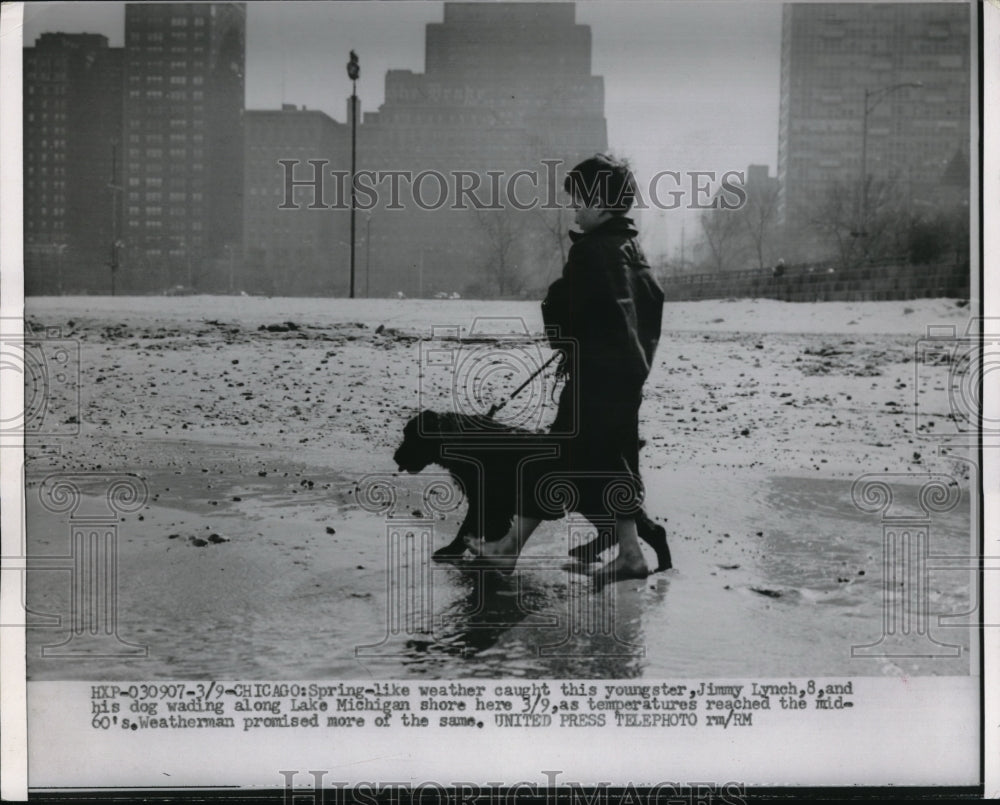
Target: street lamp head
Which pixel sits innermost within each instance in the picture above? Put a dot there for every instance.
(353, 67)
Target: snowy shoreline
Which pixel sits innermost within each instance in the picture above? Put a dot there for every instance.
(758, 418)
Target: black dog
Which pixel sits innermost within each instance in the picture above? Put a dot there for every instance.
(492, 493)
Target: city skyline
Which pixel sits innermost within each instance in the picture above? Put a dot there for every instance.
(686, 87)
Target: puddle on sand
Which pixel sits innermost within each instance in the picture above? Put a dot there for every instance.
(293, 603)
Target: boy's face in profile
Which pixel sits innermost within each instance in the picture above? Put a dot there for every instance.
(588, 218)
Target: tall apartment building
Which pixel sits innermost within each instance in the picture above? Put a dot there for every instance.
(290, 249)
(183, 143)
(506, 86)
(912, 59)
(72, 118)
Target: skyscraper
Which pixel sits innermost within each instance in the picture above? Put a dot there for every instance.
(506, 86)
(911, 63)
(298, 251)
(72, 118)
(183, 143)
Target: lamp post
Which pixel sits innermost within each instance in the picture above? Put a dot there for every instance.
(873, 97)
(353, 72)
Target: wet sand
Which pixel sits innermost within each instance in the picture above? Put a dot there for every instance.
(758, 418)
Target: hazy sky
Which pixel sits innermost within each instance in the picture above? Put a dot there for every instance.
(688, 85)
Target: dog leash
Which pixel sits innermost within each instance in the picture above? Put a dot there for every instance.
(497, 406)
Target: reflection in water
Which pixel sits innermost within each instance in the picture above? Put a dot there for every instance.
(539, 622)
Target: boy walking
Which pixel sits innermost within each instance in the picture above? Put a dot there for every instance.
(608, 305)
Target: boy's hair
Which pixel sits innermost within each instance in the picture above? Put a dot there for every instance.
(602, 181)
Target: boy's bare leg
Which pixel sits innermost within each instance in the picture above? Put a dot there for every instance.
(630, 563)
(502, 554)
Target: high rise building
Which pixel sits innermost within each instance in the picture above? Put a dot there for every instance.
(292, 247)
(911, 63)
(183, 143)
(507, 85)
(72, 119)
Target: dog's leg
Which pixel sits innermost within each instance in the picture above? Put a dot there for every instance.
(654, 535)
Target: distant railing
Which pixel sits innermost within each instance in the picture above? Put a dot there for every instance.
(826, 282)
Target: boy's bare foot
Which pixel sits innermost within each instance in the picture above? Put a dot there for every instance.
(499, 555)
(621, 568)
(650, 532)
(590, 551)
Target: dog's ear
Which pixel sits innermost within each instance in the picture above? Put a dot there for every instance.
(429, 422)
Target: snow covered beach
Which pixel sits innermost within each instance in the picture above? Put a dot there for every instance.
(758, 419)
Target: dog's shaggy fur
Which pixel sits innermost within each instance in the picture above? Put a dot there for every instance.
(477, 442)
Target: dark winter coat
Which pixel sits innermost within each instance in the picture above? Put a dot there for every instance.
(606, 308)
(607, 303)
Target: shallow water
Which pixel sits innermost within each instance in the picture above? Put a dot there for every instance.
(782, 581)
